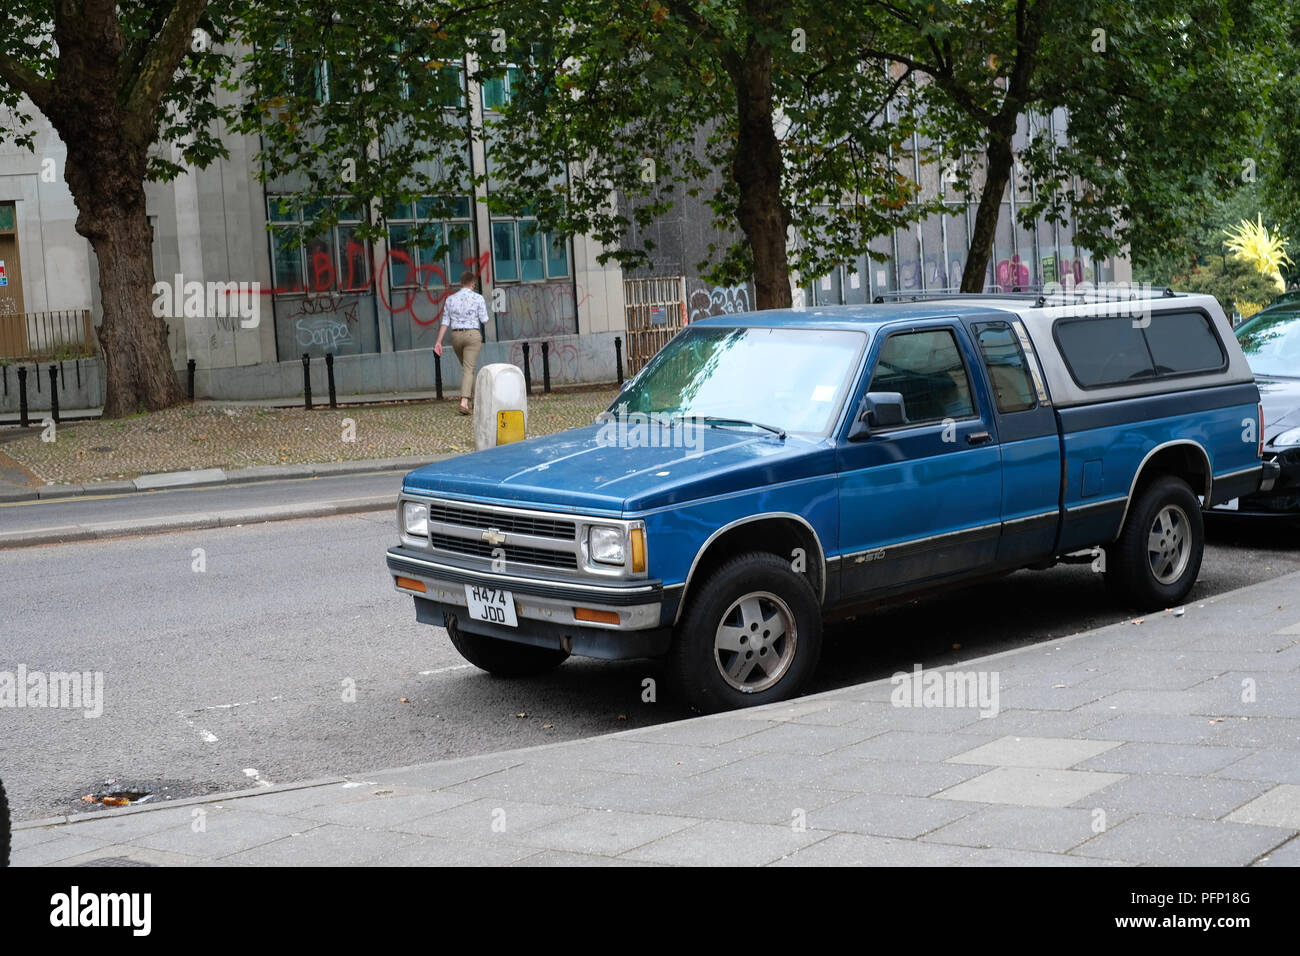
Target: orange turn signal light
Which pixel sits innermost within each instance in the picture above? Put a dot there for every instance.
(411, 584)
(638, 550)
(599, 617)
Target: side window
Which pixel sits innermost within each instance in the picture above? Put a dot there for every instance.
(1183, 342)
(926, 369)
(1113, 350)
(1104, 351)
(1012, 388)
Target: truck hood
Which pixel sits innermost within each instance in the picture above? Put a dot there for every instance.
(581, 470)
(1281, 400)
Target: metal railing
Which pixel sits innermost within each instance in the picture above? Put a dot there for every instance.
(40, 336)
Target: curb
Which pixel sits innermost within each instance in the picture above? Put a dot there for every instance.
(194, 522)
(213, 477)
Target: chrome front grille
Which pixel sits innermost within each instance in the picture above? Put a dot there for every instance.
(460, 516)
(524, 555)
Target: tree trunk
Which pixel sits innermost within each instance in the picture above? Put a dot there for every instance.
(757, 168)
(998, 160)
(137, 357)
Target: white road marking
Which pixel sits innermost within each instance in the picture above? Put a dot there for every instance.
(242, 703)
(443, 670)
(257, 777)
(208, 736)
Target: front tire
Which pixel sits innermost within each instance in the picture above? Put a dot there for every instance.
(751, 635)
(502, 658)
(1154, 562)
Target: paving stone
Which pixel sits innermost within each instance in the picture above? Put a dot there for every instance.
(754, 802)
(647, 794)
(55, 851)
(1279, 807)
(1259, 733)
(474, 822)
(725, 843)
(1059, 752)
(1161, 840)
(1030, 786)
(327, 845)
(856, 849)
(602, 831)
(1164, 758)
(387, 811)
(1286, 855)
(1276, 766)
(435, 776)
(560, 858)
(907, 745)
(1024, 723)
(1039, 829)
(1205, 797)
(435, 852)
(1156, 728)
(557, 782)
(136, 854)
(800, 739)
(127, 827)
(224, 832)
(701, 733)
(635, 756)
(890, 815)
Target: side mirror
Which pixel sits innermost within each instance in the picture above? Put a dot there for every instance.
(878, 410)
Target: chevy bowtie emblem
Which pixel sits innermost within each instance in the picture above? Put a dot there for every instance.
(494, 537)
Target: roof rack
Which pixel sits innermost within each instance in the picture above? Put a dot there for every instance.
(1040, 296)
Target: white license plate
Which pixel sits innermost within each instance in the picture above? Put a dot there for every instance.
(492, 605)
(1228, 505)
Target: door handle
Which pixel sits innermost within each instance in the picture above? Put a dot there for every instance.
(978, 438)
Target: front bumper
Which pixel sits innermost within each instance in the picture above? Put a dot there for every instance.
(545, 607)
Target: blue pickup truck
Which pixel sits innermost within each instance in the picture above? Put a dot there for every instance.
(768, 472)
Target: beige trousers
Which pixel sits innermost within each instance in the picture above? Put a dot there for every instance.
(466, 344)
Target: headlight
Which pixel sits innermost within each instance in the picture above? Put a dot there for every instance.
(1289, 437)
(415, 519)
(606, 545)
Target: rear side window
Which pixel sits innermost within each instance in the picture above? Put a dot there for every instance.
(1012, 389)
(1183, 342)
(926, 369)
(1112, 350)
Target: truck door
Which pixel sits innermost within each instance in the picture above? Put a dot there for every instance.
(922, 499)
(1031, 446)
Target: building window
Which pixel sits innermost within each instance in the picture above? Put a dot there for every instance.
(521, 251)
(336, 259)
(430, 242)
(438, 84)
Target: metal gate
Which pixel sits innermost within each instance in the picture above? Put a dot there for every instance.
(655, 309)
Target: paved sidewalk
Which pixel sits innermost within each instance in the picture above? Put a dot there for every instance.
(1172, 739)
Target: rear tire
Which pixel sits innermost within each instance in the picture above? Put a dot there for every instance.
(751, 635)
(1154, 562)
(502, 658)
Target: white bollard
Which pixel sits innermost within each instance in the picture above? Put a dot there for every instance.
(500, 406)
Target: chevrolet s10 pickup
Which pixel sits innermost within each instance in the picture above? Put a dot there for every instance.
(767, 472)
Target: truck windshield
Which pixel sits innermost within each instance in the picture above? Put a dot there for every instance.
(1271, 341)
(789, 379)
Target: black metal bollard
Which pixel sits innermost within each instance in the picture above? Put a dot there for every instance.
(189, 378)
(329, 373)
(37, 376)
(54, 393)
(306, 381)
(77, 366)
(4, 371)
(22, 395)
(437, 375)
(618, 357)
(528, 375)
(63, 377)
(546, 367)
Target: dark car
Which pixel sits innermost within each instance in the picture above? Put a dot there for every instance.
(1271, 343)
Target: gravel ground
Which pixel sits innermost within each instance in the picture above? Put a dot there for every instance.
(224, 436)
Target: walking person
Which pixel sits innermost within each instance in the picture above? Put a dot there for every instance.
(464, 312)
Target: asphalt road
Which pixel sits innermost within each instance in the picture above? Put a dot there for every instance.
(216, 679)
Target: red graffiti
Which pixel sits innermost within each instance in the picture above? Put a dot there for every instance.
(324, 279)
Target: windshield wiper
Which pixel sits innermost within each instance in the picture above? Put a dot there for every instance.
(727, 420)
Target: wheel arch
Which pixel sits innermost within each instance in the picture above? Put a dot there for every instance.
(775, 532)
(1183, 458)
